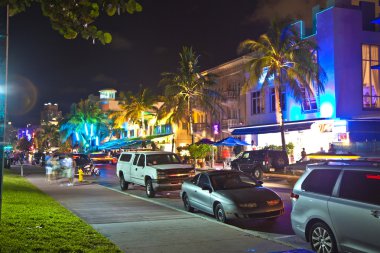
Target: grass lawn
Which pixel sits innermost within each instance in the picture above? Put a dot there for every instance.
(34, 222)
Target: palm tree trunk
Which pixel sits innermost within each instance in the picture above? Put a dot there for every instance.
(280, 116)
(190, 110)
(142, 124)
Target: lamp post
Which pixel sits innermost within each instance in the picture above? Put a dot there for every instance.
(3, 90)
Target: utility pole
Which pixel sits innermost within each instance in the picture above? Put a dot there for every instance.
(3, 90)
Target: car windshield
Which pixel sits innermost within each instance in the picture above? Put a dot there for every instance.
(157, 159)
(232, 181)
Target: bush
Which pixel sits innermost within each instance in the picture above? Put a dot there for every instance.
(289, 148)
(200, 151)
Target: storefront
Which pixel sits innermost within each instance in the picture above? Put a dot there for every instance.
(313, 135)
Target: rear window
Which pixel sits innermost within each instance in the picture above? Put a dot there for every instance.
(321, 181)
(125, 157)
(363, 186)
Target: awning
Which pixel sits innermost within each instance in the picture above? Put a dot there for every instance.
(274, 128)
(364, 130)
(128, 142)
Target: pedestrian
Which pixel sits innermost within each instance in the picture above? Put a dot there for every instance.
(332, 149)
(49, 167)
(303, 153)
(226, 157)
(322, 150)
(68, 167)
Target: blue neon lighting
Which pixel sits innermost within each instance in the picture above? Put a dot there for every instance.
(85, 128)
(92, 130)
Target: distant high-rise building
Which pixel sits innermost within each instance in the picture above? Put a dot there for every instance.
(50, 114)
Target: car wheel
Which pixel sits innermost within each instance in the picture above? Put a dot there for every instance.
(123, 183)
(257, 173)
(220, 215)
(149, 189)
(186, 203)
(322, 239)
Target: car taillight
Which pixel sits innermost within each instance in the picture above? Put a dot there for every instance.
(294, 196)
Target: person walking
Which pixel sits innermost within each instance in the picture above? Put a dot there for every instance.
(332, 149)
(226, 157)
(48, 167)
(303, 153)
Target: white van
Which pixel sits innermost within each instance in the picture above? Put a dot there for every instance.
(156, 170)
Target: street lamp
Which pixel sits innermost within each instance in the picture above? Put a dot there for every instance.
(4, 28)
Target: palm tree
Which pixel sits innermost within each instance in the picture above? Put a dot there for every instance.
(47, 136)
(85, 121)
(290, 61)
(118, 118)
(187, 89)
(135, 108)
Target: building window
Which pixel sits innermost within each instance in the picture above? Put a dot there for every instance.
(273, 101)
(371, 84)
(184, 126)
(257, 104)
(309, 102)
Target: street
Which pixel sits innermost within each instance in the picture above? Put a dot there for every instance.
(278, 229)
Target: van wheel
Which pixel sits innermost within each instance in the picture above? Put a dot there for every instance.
(257, 173)
(123, 183)
(322, 239)
(149, 189)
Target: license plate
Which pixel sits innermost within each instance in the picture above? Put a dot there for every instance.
(272, 170)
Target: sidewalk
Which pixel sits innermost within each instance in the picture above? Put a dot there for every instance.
(136, 225)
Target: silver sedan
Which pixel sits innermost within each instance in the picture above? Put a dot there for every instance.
(230, 194)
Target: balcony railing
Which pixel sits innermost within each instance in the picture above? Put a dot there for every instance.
(228, 123)
(231, 94)
(199, 127)
(163, 129)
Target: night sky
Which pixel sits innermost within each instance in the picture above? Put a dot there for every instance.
(45, 67)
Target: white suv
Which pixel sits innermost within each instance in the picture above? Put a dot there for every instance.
(336, 207)
(156, 170)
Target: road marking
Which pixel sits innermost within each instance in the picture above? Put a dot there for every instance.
(250, 232)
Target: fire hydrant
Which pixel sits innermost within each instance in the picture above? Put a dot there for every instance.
(80, 175)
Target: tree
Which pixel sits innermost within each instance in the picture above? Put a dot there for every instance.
(187, 89)
(86, 122)
(289, 60)
(72, 18)
(69, 18)
(135, 107)
(24, 144)
(47, 136)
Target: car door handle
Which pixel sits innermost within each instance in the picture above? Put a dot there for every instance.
(375, 213)
(136, 169)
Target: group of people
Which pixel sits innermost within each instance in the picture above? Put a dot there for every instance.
(57, 168)
(14, 158)
(331, 150)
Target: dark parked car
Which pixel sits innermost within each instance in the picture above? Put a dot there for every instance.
(230, 195)
(255, 162)
(299, 167)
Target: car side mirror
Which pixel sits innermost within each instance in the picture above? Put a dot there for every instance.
(206, 188)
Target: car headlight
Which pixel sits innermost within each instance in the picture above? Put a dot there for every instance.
(248, 205)
(273, 202)
(161, 175)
